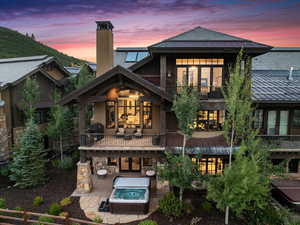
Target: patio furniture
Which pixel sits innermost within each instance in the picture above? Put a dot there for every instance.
(96, 128)
(138, 133)
(150, 173)
(102, 173)
(120, 132)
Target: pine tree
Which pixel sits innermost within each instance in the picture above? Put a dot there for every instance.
(28, 164)
(32, 37)
(84, 76)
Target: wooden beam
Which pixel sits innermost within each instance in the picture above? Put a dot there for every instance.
(163, 72)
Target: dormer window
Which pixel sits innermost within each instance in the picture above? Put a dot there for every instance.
(132, 57)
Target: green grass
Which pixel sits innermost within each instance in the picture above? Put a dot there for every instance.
(14, 44)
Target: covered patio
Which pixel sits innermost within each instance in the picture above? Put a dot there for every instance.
(102, 188)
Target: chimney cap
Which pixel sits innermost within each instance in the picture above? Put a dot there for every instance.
(104, 25)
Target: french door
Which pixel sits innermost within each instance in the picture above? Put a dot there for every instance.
(130, 164)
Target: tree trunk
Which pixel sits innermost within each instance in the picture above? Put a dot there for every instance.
(184, 143)
(180, 194)
(61, 148)
(230, 159)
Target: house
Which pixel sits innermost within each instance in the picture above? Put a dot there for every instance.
(133, 124)
(49, 74)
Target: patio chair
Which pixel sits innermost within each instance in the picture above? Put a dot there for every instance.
(120, 132)
(138, 133)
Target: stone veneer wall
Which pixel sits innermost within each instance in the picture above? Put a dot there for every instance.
(84, 177)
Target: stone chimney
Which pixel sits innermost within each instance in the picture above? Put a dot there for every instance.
(104, 54)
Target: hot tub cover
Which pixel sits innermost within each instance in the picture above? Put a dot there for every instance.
(132, 182)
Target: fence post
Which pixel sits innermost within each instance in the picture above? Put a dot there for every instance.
(67, 221)
(25, 217)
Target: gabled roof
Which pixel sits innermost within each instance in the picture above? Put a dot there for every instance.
(115, 71)
(15, 69)
(272, 86)
(202, 38)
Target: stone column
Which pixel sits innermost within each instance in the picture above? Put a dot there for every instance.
(84, 177)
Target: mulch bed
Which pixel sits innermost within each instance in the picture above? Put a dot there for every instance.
(61, 184)
(214, 217)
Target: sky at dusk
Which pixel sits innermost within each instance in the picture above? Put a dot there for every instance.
(69, 25)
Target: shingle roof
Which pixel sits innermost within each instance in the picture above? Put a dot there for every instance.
(200, 37)
(273, 86)
(14, 69)
(278, 59)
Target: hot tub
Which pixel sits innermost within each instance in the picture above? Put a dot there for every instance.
(130, 196)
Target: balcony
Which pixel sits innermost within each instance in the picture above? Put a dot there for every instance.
(284, 142)
(102, 141)
(206, 92)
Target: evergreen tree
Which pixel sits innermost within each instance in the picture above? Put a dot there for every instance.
(32, 37)
(186, 105)
(31, 95)
(28, 164)
(84, 76)
(61, 123)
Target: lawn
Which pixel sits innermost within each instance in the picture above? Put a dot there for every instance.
(63, 182)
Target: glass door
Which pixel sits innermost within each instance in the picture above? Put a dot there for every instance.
(271, 123)
(130, 164)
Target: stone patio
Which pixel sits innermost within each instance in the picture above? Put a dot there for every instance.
(102, 189)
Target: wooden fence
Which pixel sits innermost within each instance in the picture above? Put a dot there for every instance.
(27, 218)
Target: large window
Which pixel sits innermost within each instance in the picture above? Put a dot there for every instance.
(147, 114)
(296, 119)
(205, 74)
(210, 120)
(128, 111)
(258, 122)
(271, 123)
(283, 123)
(213, 165)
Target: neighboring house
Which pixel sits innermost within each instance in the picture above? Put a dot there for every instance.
(133, 124)
(49, 74)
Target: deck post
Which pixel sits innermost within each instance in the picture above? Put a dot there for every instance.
(162, 124)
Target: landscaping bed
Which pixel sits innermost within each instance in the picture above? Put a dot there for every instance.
(208, 217)
(60, 185)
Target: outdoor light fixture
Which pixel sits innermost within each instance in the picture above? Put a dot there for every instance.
(2, 103)
(169, 74)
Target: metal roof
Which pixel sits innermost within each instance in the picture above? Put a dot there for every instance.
(14, 69)
(274, 86)
(278, 59)
(200, 37)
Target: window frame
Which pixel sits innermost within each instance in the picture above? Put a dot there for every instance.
(112, 161)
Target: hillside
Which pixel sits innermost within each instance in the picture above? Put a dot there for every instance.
(14, 44)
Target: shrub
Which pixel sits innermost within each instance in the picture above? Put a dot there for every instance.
(67, 163)
(45, 219)
(97, 219)
(4, 171)
(188, 207)
(55, 209)
(2, 203)
(147, 222)
(64, 214)
(206, 206)
(171, 206)
(66, 201)
(18, 208)
(38, 200)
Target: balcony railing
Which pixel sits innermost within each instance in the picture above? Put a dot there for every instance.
(282, 141)
(127, 140)
(206, 91)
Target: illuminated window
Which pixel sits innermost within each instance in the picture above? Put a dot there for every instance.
(147, 114)
(147, 161)
(111, 161)
(208, 120)
(210, 165)
(190, 61)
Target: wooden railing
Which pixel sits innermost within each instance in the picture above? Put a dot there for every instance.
(26, 218)
(126, 140)
(206, 91)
